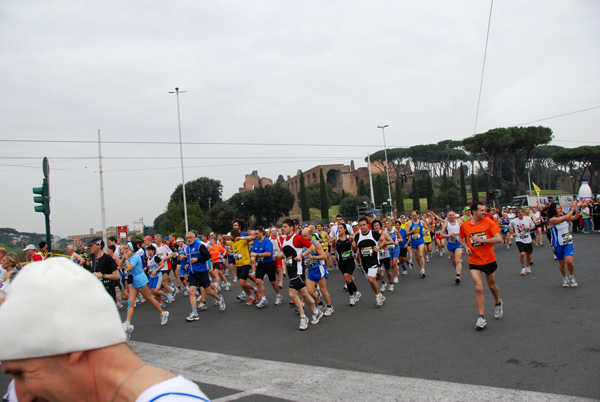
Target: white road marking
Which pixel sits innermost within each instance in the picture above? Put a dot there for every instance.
(299, 382)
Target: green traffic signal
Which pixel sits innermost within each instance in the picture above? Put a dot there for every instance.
(42, 199)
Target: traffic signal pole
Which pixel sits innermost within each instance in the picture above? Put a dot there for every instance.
(43, 199)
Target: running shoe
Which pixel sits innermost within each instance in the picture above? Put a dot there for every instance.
(379, 299)
(531, 262)
(481, 323)
(227, 286)
(241, 296)
(441, 254)
(422, 274)
(256, 294)
(499, 310)
(164, 318)
(382, 287)
(396, 280)
(303, 323)
(217, 287)
(163, 305)
(328, 311)
(202, 306)
(427, 258)
(316, 317)
(352, 300)
(555, 257)
(128, 328)
(391, 287)
(404, 273)
(216, 303)
(222, 303)
(345, 287)
(234, 280)
(357, 296)
(528, 270)
(524, 271)
(573, 282)
(280, 285)
(291, 303)
(251, 301)
(278, 300)
(186, 292)
(321, 306)
(566, 283)
(192, 317)
(263, 303)
(410, 265)
(457, 280)
(170, 298)
(119, 305)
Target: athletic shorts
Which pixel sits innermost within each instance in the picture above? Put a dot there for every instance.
(317, 273)
(416, 243)
(218, 265)
(487, 269)
(243, 272)
(230, 259)
(403, 252)
(385, 262)
(268, 268)
(525, 247)
(395, 253)
(297, 282)
(372, 272)
(563, 251)
(453, 246)
(122, 282)
(347, 266)
(182, 270)
(156, 281)
(200, 279)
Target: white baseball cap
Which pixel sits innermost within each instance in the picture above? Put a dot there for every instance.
(29, 247)
(77, 314)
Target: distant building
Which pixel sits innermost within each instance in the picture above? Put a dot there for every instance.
(340, 176)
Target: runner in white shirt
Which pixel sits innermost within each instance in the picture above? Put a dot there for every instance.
(520, 228)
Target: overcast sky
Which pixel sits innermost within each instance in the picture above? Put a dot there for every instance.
(272, 73)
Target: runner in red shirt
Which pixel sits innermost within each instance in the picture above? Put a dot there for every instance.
(478, 236)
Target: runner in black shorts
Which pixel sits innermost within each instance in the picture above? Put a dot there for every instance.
(345, 260)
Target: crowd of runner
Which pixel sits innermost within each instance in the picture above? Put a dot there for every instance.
(156, 270)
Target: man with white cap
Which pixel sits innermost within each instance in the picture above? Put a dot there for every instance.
(67, 353)
(32, 254)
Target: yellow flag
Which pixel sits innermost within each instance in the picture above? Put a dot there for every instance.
(537, 189)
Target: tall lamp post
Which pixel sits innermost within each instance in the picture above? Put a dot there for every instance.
(387, 170)
(177, 91)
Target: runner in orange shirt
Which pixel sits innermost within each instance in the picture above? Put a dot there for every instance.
(478, 236)
(217, 258)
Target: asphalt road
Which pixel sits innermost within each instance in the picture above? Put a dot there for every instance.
(422, 340)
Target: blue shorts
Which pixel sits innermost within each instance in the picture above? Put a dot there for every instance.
(182, 270)
(416, 243)
(453, 246)
(139, 281)
(155, 282)
(563, 251)
(395, 253)
(317, 273)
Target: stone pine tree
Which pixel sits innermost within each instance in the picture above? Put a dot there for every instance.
(399, 198)
(474, 189)
(429, 191)
(415, 195)
(303, 199)
(463, 186)
(324, 198)
(362, 188)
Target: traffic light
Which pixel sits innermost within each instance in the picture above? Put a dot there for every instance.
(43, 198)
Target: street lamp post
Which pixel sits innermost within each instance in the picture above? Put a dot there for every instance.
(387, 169)
(177, 91)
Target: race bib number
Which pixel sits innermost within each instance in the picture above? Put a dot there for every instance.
(367, 252)
(567, 238)
(480, 234)
(524, 235)
(437, 232)
(390, 246)
(454, 239)
(416, 236)
(346, 255)
(289, 261)
(237, 256)
(260, 259)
